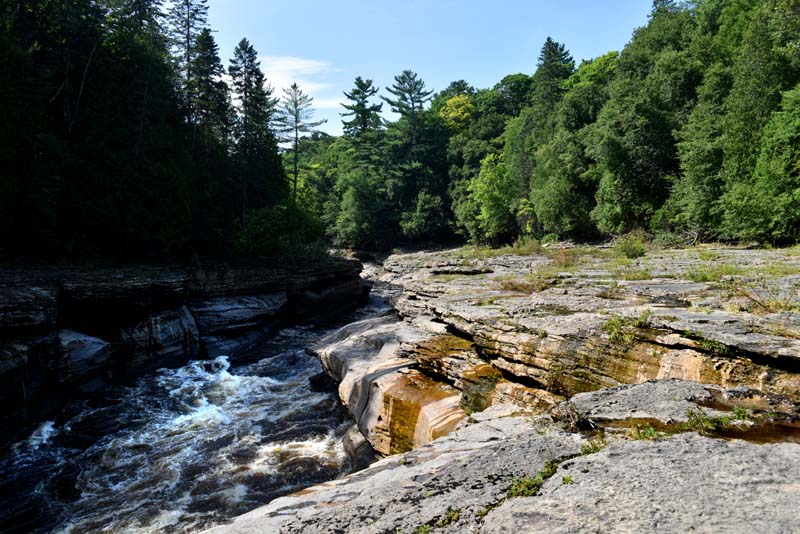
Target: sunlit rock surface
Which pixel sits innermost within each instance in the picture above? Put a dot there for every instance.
(629, 358)
(507, 471)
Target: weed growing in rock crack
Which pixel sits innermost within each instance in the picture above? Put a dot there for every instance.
(566, 259)
(483, 512)
(612, 292)
(765, 297)
(711, 346)
(714, 273)
(529, 486)
(701, 422)
(450, 517)
(532, 283)
(566, 479)
(647, 433)
(633, 273)
(592, 446)
(423, 529)
(707, 255)
(621, 329)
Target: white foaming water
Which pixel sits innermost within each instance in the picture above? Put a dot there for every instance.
(41, 436)
(211, 440)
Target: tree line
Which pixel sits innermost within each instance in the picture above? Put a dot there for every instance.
(691, 131)
(125, 134)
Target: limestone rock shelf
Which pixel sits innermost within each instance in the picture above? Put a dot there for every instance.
(505, 389)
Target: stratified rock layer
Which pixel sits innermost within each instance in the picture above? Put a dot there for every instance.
(533, 330)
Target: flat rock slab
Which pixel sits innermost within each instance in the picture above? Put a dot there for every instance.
(687, 483)
(452, 483)
(667, 401)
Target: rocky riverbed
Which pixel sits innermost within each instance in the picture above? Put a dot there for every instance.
(568, 389)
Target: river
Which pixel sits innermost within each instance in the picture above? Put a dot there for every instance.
(181, 449)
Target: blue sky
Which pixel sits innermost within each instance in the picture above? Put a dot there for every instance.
(324, 44)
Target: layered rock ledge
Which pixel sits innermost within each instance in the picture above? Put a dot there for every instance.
(568, 390)
(71, 330)
(533, 330)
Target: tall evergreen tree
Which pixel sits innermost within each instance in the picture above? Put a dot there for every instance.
(554, 66)
(186, 18)
(256, 147)
(209, 93)
(140, 16)
(410, 98)
(295, 118)
(365, 116)
(534, 126)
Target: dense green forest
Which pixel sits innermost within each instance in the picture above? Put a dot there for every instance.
(124, 133)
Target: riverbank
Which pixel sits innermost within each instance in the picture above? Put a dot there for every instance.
(71, 331)
(502, 355)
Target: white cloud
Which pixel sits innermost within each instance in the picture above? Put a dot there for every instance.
(310, 74)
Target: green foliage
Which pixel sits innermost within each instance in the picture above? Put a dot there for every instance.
(121, 136)
(457, 111)
(450, 517)
(366, 116)
(493, 194)
(427, 220)
(767, 208)
(277, 231)
(622, 330)
(630, 246)
(529, 486)
(592, 446)
(361, 221)
(646, 433)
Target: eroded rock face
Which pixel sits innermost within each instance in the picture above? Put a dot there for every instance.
(232, 325)
(231, 314)
(396, 408)
(83, 357)
(164, 337)
(514, 329)
(454, 480)
(565, 329)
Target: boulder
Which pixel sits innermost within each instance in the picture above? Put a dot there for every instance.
(163, 337)
(83, 357)
(226, 315)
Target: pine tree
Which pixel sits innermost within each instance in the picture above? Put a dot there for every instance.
(409, 102)
(366, 116)
(295, 119)
(555, 65)
(186, 18)
(255, 143)
(209, 93)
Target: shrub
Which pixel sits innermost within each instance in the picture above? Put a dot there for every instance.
(630, 245)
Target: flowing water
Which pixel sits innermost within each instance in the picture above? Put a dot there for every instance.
(180, 449)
